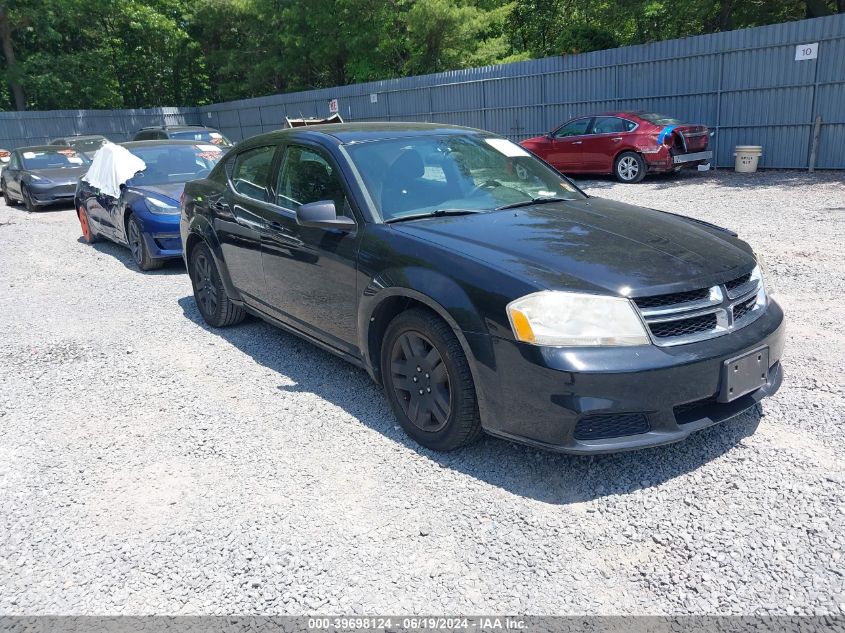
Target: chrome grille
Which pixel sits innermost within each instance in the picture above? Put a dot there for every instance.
(686, 317)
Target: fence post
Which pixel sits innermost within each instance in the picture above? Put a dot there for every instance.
(814, 144)
(718, 112)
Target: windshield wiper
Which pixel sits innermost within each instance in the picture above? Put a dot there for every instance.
(528, 203)
(431, 214)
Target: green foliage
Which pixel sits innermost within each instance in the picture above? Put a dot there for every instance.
(141, 53)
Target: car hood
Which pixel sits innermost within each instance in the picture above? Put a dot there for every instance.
(593, 245)
(171, 190)
(61, 175)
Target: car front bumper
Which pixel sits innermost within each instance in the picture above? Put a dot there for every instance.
(51, 193)
(641, 396)
(161, 233)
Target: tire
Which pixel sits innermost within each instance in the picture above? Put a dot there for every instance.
(7, 199)
(138, 246)
(28, 202)
(420, 353)
(88, 233)
(629, 167)
(214, 304)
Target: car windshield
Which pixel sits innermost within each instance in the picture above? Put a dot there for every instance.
(53, 158)
(475, 173)
(659, 119)
(206, 136)
(174, 163)
(87, 144)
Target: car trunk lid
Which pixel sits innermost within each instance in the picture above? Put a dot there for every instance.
(693, 138)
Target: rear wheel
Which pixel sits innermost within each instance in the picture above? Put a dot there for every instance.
(214, 304)
(428, 381)
(28, 201)
(138, 246)
(7, 198)
(88, 233)
(629, 167)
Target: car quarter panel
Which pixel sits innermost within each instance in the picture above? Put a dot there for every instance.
(196, 227)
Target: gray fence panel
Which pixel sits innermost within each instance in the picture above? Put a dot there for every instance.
(745, 85)
(18, 129)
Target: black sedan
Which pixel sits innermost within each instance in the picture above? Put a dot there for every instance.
(484, 290)
(131, 195)
(42, 175)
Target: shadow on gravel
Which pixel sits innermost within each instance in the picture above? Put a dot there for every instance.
(49, 209)
(724, 177)
(121, 253)
(545, 476)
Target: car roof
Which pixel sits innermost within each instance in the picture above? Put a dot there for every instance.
(78, 137)
(42, 148)
(176, 127)
(345, 133)
(163, 141)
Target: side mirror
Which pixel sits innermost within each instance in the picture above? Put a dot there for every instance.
(322, 215)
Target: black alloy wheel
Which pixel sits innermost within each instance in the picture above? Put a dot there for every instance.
(205, 288)
(138, 247)
(214, 304)
(7, 198)
(28, 202)
(428, 381)
(421, 381)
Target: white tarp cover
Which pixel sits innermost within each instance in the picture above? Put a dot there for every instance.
(112, 166)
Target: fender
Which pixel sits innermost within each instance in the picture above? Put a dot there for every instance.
(200, 227)
(440, 294)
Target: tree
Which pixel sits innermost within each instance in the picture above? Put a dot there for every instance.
(12, 70)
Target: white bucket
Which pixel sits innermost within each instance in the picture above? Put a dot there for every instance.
(746, 158)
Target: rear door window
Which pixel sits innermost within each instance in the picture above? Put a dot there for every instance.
(577, 127)
(611, 125)
(251, 173)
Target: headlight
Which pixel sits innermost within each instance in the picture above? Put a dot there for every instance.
(761, 272)
(35, 178)
(160, 206)
(568, 319)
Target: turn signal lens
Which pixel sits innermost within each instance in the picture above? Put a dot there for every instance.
(521, 326)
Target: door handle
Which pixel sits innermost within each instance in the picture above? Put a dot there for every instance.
(616, 139)
(577, 142)
(281, 234)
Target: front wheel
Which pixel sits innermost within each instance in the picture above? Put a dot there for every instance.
(28, 201)
(629, 167)
(138, 246)
(215, 306)
(428, 381)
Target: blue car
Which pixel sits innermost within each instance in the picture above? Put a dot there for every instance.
(133, 198)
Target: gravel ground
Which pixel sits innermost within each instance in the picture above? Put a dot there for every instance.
(150, 465)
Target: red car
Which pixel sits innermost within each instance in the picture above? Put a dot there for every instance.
(625, 144)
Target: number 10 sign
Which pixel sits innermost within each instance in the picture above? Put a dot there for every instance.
(806, 51)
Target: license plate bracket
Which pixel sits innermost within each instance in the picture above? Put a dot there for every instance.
(743, 374)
